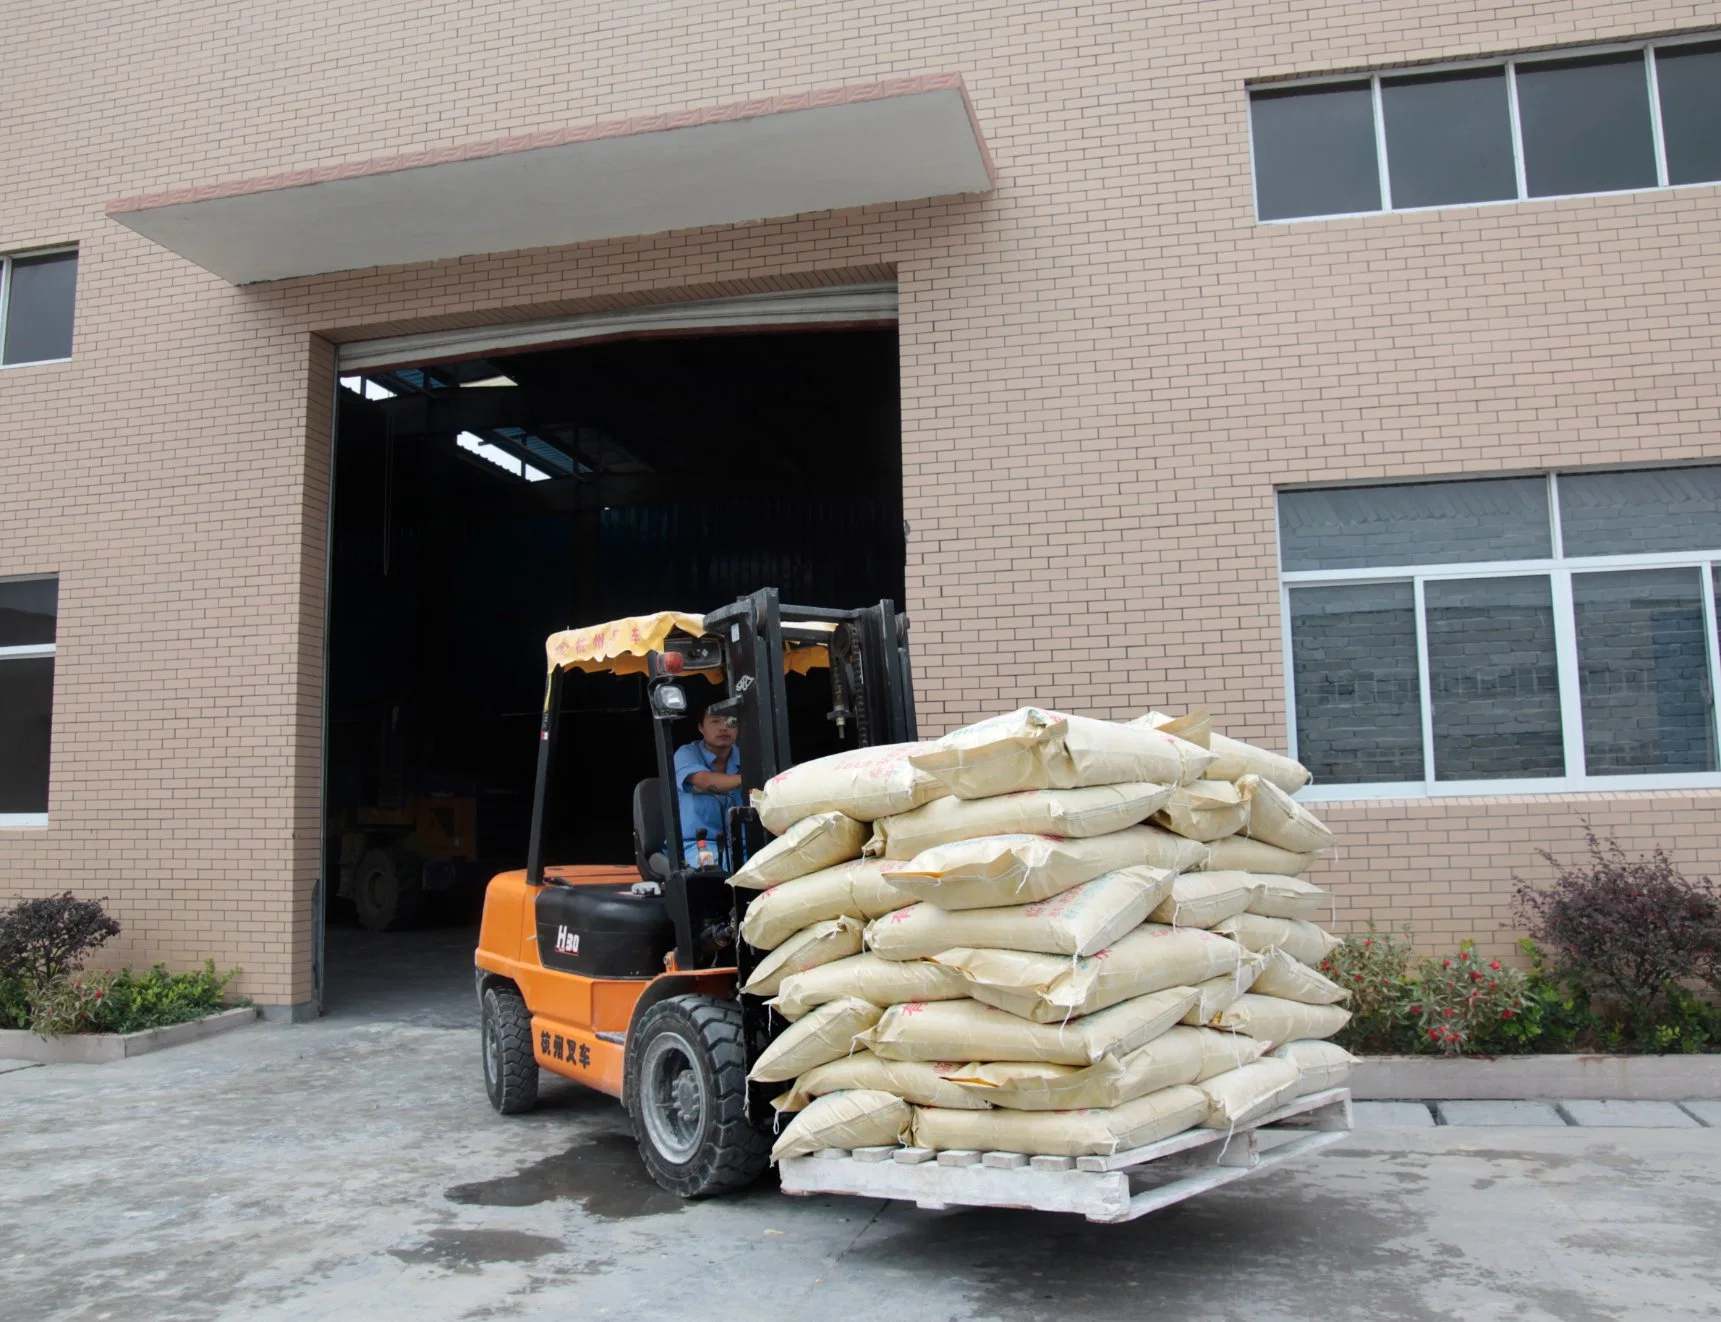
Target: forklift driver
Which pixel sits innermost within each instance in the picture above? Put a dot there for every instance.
(708, 779)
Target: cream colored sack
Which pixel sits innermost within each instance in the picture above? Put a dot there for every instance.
(1050, 988)
(1284, 897)
(1201, 899)
(1278, 819)
(1080, 921)
(1294, 980)
(826, 1034)
(1205, 810)
(856, 889)
(1233, 759)
(1073, 814)
(1178, 1055)
(1238, 853)
(953, 1030)
(1296, 938)
(863, 783)
(1215, 994)
(880, 982)
(1018, 869)
(1244, 1094)
(1196, 726)
(1323, 1065)
(822, 943)
(924, 1082)
(1034, 749)
(1097, 1132)
(860, 1119)
(1273, 1020)
(820, 841)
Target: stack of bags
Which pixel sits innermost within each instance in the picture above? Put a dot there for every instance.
(1042, 933)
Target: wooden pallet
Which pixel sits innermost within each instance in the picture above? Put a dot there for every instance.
(1096, 1187)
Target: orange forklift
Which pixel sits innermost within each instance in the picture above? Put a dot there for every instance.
(624, 978)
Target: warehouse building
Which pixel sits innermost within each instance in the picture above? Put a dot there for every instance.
(1350, 370)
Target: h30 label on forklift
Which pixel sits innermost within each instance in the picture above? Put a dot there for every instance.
(567, 943)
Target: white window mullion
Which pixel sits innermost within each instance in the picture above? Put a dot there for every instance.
(1290, 671)
(1380, 145)
(5, 298)
(1556, 532)
(1424, 687)
(1566, 653)
(1517, 128)
(1713, 648)
(26, 651)
(1653, 79)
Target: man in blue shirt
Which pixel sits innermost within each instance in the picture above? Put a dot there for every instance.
(708, 780)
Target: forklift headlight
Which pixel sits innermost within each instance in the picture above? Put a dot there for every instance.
(668, 700)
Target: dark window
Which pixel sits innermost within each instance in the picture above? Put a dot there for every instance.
(1494, 679)
(28, 608)
(1690, 81)
(1658, 509)
(1428, 523)
(1449, 138)
(1359, 703)
(26, 708)
(1314, 151)
(39, 297)
(1585, 125)
(1643, 672)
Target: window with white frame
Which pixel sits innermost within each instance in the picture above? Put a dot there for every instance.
(1556, 124)
(29, 610)
(37, 294)
(1555, 632)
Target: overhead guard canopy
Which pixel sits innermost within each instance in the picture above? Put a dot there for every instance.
(623, 647)
(895, 141)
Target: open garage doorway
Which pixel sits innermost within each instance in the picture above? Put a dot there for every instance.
(483, 501)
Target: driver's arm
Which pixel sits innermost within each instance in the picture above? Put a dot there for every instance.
(713, 782)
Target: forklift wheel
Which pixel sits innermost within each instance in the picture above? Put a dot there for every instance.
(689, 1098)
(386, 890)
(510, 1070)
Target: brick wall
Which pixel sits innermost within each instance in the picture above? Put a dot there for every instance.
(1106, 367)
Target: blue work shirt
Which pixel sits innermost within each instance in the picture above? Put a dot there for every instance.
(700, 809)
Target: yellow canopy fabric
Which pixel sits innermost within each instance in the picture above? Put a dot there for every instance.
(621, 647)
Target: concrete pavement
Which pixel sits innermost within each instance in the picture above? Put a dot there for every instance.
(352, 1168)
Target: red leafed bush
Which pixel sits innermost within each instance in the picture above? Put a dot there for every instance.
(44, 939)
(1626, 929)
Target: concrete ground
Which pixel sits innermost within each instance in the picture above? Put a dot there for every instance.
(352, 1168)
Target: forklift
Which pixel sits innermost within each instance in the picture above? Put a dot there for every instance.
(625, 978)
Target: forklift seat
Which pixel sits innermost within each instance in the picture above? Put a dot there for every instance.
(649, 842)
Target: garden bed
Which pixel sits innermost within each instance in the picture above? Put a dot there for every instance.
(99, 1048)
(1646, 1078)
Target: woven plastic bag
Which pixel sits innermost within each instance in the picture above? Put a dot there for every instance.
(1275, 817)
(1233, 759)
(826, 1034)
(1069, 814)
(1249, 1092)
(1202, 899)
(1019, 869)
(1178, 1055)
(858, 1119)
(1283, 897)
(951, 1030)
(866, 977)
(1238, 853)
(1272, 1019)
(1205, 810)
(923, 1082)
(811, 844)
(1294, 980)
(1216, 993)
(1323, 1065)
(862, 783)
(1296, 938)
(822, 943)
(856, 889)
(1100, 1131)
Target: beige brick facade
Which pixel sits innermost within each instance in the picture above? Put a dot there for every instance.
(1107, 366)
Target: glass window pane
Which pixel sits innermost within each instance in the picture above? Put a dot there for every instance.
(1359, 707)
(1643, 671)
(1314, 151)
(1690, 81)
(1586, 125)
(1449, 138)
(27, 611)
(39, 294)
(1493, 679)
(26, 707)
(1657, 509)
(1430, 523)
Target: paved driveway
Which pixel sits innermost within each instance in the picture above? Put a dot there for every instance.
(352, 1169)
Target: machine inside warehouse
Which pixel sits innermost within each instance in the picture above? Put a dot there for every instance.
(482, 503)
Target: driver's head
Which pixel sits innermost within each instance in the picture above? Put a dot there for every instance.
(717, 731)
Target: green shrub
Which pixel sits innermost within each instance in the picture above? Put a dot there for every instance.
(136, 1001)
(1464, 1004)
(71, 1003)
(1374, 967)
(14, 1003)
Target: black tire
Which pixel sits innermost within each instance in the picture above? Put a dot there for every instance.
(688, 1098)
(510, 1069)
(387, 890)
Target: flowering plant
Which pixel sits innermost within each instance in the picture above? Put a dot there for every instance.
(1463, 1003)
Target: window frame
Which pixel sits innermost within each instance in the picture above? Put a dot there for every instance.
(6, 260)
(10, 821)
(1559, 570)
(1510, 64)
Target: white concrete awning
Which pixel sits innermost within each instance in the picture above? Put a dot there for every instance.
(895, 141)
